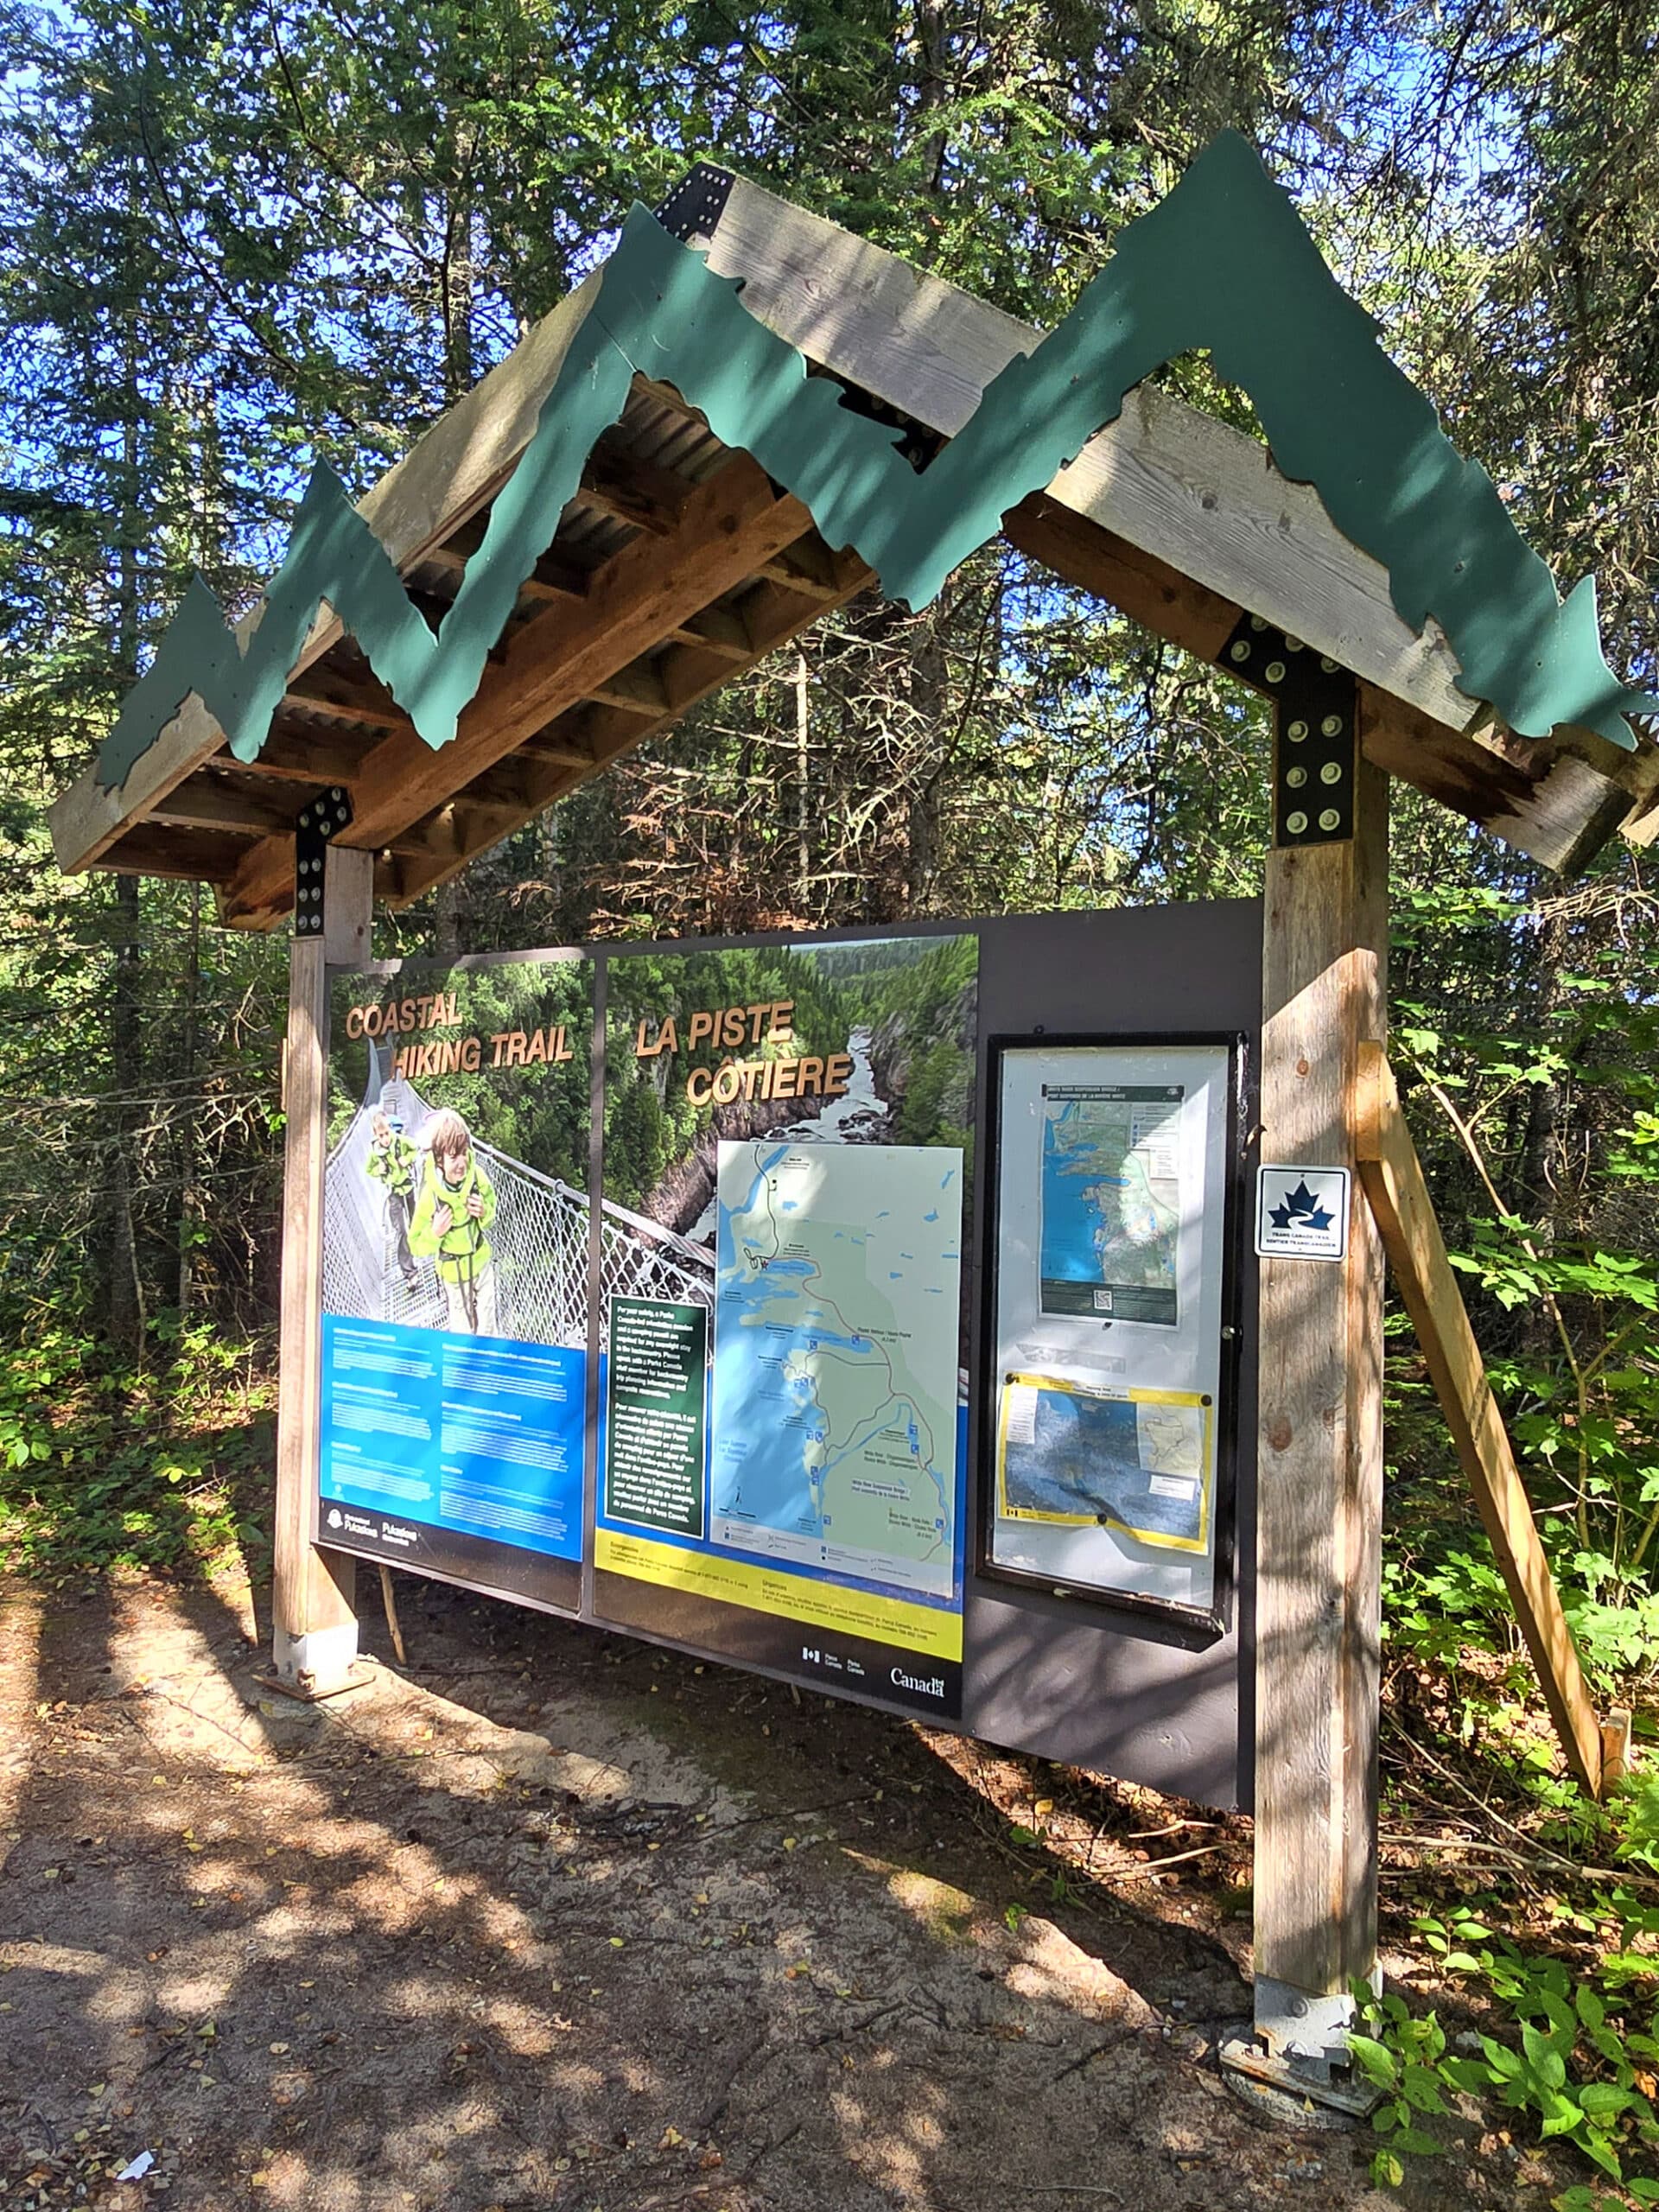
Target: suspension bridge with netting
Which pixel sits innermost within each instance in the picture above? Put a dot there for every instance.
(539, 1236)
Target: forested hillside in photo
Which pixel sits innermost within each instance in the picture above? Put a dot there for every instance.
(236, 241)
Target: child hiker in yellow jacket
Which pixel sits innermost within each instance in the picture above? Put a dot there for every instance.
(391, 1161)
(455, 1205)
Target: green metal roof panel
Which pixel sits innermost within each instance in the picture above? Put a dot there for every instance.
(1224, 261)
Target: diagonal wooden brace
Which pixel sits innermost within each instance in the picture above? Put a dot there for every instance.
(1393, 1179)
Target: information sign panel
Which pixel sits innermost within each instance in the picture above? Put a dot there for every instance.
(454, 1271)
(656, 1459)
(1112, 1165)
(650, 1297)
(786, 1125)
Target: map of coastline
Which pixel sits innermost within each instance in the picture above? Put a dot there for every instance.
(838, 1303)
(1137, 1462)
(1111, 1201)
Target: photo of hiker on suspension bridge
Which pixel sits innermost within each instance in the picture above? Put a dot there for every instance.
(455, 1261)
(391, 1161)
(452, 1215)
(456, 1189)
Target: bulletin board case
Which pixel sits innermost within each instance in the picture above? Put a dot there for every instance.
(1111, 1327)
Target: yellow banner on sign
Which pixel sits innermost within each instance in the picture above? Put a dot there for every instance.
(932, 1630)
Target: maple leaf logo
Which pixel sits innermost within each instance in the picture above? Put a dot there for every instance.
(1299, 1208)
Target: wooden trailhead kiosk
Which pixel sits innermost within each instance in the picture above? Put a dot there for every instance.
(743, 419)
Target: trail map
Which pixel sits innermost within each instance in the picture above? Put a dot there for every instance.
(837, 1305)
(1111, 1201)
(1136, 1460)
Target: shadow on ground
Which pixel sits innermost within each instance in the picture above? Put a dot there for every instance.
(550, 1919)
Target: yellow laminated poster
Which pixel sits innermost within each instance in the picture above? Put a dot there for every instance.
(1141, 1461)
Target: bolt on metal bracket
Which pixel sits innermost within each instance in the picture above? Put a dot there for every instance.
(313, 827)
(1315, 740)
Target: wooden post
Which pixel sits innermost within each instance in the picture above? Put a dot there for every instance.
(1319, 1458)
(1405, 1214)
(314, 1620)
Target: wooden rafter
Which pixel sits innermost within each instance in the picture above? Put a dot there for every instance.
(507, 797)
(568, 654)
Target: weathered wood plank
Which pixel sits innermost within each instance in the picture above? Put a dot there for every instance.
(1615, 1747)
(313, 1606)
(454, 469)
(1202, 498)
(184, 853)
(1320, 1464)
(205, 802)
(1400, 1199)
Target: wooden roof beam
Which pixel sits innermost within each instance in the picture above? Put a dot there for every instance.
(1200, 501)
(204, 802)
(637, 690)
(188, 856)
(722, 629)
(303, 752)
(733, 524)
(1537, 794)
(419, 504)
(551, 578)
(365, 706)
(621, 483)
(600, 734)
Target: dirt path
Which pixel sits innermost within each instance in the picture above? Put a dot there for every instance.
(555, 1920)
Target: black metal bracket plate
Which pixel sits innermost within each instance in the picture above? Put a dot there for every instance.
(695, 206)
(1314, 739)
(324, 818)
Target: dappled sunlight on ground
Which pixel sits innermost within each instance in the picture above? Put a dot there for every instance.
(550, 1920)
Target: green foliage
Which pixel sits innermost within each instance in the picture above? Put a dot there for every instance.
(1526, 1035)
(1570, 2067)
(1402, 2060)
(104, 1465)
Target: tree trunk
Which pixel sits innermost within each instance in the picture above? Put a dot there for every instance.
(190, 1126)
(126, 1301)
(929, 686)
(446, 919)
(803, 788)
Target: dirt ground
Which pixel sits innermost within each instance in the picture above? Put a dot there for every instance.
(549, 1918)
